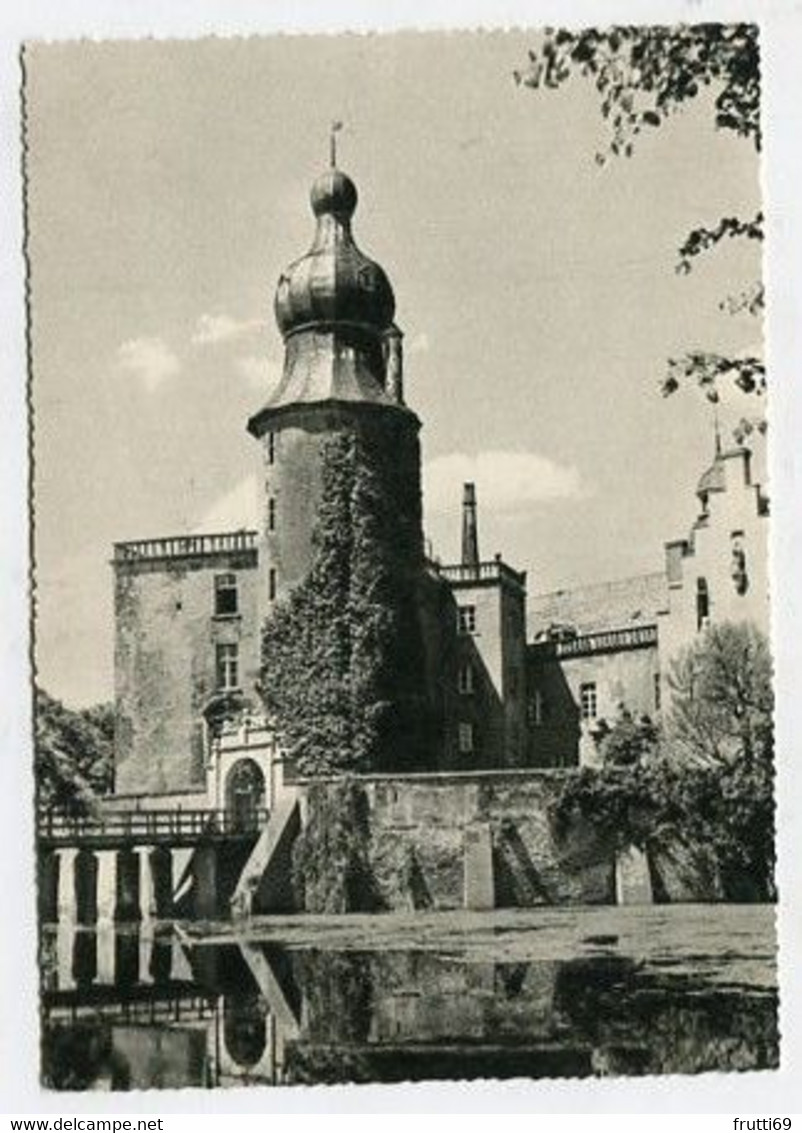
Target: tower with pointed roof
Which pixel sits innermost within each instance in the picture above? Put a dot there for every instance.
(342, 372)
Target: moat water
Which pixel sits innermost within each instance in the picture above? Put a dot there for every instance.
(529, 993)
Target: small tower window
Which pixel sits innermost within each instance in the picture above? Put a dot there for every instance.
(271, 514)
(271, 448)
(465, 679)
(271, 584)
(702, 603)
(466, 619)
(588, 705)
(537, 708)
(465, 739)
(226, 600)
(227, 665)
(657, 692)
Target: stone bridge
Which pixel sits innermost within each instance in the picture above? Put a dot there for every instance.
(141, 864)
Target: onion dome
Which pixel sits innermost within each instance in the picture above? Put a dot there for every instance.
(334, 283)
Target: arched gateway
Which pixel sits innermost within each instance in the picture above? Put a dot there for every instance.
(245, 794)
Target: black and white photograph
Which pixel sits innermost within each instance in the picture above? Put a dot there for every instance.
(402, 666)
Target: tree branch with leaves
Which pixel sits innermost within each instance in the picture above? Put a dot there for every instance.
(643, 76)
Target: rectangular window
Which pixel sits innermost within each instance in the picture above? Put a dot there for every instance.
(702, 604)
(271, 448)
(465, 679)
(271, 584)
(537, 708)
(657, 692)
(225, 594)
(271, 514)
(227, 665)
(465, 739)
(587, 701)
(466, 619)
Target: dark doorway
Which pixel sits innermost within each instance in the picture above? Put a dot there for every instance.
(245, 795)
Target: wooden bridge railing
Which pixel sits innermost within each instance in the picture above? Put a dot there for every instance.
(148, 826)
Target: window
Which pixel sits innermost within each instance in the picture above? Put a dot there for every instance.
(465, 739)
(465, 679)
(587, 701)
(227, 666)
(271, 514)
(702, 603)
(271, 448)
(537, 708)
(271, 584)
(657, 692)
(466, 619)
(225, 594)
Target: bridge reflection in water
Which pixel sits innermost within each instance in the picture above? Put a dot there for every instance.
(136, 1008)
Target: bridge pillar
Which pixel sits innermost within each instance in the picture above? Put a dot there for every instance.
(161, 866)
(204, 870)
(85, 871)
(145, 955)
(84, 959)
(127, 886)
(66, 883)
(106, 886)
(147, 895)
(48, 886)
(65, 941)
(106, 935)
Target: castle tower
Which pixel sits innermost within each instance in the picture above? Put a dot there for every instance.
(341, 522)
(342, 372)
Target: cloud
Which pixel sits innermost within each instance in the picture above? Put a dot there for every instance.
(211, 329)
(236, 509)
(505, 481)
(419, 344)
(149, 359)
(260, 371)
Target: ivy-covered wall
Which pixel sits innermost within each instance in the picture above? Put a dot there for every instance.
(342, 666)
(372, 844)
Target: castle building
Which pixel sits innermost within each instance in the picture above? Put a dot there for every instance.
(510, 682)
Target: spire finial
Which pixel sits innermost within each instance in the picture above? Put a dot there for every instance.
(336, 126)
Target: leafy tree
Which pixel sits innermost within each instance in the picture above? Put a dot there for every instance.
(643, 75)
(721, 710)
(707, 780)
(629, 741)
(74, 753)
(342, 656)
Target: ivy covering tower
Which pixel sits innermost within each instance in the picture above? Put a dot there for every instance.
(342, 545)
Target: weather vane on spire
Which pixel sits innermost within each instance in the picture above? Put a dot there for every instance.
(335, 128)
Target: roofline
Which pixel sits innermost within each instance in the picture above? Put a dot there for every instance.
(258, 424)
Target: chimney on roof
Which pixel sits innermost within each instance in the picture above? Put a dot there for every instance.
(470, 537)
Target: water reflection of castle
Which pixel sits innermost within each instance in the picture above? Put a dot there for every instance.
(131, 1009)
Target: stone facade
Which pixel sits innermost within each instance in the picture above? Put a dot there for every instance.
(720, 572)
(184, 652)
(419, 854)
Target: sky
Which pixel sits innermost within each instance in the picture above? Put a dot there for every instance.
(167, 189)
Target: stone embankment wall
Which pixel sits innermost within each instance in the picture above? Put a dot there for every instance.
(446, 841)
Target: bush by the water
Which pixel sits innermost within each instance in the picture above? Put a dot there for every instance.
(706, 778)
(74, 753)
